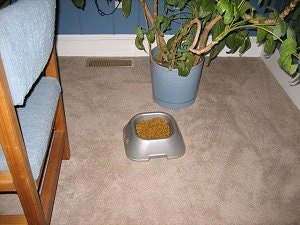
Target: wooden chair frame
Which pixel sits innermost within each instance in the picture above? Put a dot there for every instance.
(36, 196)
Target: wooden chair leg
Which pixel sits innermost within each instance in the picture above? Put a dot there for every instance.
(13, 219)
(60, 124)
(48, 190)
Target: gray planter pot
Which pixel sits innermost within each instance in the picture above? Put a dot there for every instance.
(171, 90)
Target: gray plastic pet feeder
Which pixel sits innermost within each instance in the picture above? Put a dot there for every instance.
(139, 149)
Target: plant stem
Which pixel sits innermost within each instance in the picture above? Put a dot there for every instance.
(241, 4)
(179, 37)
(204, 37)
(204, 47)
(151, 18)
(252, 20)
(286, 11)
(207, 30)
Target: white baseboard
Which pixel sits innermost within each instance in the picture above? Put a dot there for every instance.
(97, 45)
(117, 45)
(283, 79)
(122, 45)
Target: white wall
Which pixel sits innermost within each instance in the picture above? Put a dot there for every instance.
(283, 79)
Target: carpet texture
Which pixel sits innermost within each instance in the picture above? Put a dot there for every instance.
(242, 160)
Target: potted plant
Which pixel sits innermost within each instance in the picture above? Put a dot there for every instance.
(192, 22)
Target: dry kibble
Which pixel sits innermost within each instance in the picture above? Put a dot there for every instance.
(154, 128)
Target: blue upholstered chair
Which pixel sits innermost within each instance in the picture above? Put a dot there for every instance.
(33, 133)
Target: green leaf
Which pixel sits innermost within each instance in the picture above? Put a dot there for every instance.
(288, 47)
(246, 7)
(245, 46)
(126, 7)
(222, 6)
(170, 42)
(181, 4)
(206, 7)
(240, 37)
(139, 43)
(166, 8)
(163, 23)
(236, 12)
(158, 21)
(79, 3)
(285, 62)
(229, 11)
(283, 27)
(286, 50)
(216, 50)
(217, 29)
(237, 40)
(166, 24)
(277, 33)
(187, 41)
(164, 49)
(139, 32)
(228, 17)
(172, 2)
(270, 46)
(183, 69)
(190, 59)
(183, 57)
(293, 68)
(261, 34)
(225, 9)
(169, 57)
(150, 36)
(230, 41)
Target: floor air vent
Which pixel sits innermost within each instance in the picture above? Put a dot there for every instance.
(108, 62)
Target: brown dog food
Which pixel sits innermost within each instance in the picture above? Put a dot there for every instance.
(154, 128)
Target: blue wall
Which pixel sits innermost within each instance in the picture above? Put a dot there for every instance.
(74, 21)
(71, 20)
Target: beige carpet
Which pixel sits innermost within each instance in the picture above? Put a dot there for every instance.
(241, 166)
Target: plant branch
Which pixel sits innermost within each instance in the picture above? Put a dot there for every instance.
(151, 18)
(286, 11)
(256, 21)
(207, 29)
(196, 40)
(147, 11)
(205, 49)
(179, 37)
(205, 33)
(198, 32)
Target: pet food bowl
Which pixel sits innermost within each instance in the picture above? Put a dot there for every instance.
(139, 149)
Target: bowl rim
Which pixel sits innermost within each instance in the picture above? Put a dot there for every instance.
(168, 117)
